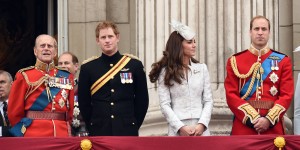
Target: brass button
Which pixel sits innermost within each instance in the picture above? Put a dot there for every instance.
(112, 90)
(111, 65)
(112, 78)
(112, 116)
(112, 104)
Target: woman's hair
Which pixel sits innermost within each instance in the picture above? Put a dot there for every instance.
(172, 60)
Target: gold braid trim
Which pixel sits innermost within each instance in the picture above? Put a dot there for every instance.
(249, 112)
(33, 85)
(253, 70)
(236, 71)
(274, 113)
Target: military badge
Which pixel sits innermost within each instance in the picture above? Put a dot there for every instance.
(76, 123)
(61, 102)
(125, 69)
(273, 90)
(273, 77)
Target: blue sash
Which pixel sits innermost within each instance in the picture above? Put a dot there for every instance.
(267, 70)
(42, 101)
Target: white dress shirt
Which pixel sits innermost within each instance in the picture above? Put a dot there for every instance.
(2, 113)
(192, 99)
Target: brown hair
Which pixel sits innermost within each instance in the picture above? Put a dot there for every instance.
(74, 58)
(107, 24)
(172, 60)
(259, 17)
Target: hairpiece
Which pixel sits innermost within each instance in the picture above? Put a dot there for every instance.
(185, 31)
(297, 49)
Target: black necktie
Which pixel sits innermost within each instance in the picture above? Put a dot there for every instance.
(5, 113)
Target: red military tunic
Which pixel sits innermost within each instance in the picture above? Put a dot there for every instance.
(29, 94)
(277, 89)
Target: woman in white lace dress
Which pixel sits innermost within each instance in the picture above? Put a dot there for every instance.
(183, 85)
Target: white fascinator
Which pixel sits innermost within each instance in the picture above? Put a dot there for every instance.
(297, 49)
(185, 31)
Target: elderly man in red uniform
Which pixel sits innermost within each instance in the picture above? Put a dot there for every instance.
(42, 97)
(259, 84)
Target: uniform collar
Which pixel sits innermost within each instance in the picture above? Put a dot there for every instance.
(260, 52)
(114, 57)
(43, 66)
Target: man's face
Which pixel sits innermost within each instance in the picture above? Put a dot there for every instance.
(5, 86)
(260, 33)
(65, 61)
(108, 41)
(44, 49)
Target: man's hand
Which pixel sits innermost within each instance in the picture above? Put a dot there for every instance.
(262, 124)
(186, 131)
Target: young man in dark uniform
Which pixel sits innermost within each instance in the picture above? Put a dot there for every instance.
(112, 91)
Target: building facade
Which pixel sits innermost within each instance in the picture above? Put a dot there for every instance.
(222, 28)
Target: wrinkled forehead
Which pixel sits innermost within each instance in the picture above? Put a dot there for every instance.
(45, 40)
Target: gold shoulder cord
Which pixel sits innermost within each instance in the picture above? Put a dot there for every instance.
(253, 70)
(32, 85)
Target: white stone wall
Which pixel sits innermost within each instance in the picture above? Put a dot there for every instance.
(222, 28)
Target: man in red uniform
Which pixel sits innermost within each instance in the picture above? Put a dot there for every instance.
(259, 84)
(41, 100)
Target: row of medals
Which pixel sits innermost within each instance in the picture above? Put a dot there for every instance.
(274, 77)
(62, 83)
(126, 77)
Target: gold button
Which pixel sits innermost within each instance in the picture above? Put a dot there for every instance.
(112, 90)
(112, 104)
(111, 65)
(112, 116)
(112, 78)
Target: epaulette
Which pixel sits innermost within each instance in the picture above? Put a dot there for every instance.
(236, 54)
(279, 52)
(131, 56)
(24, 69)
(61, 68)
(89, 59)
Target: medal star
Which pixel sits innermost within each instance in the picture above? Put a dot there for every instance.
(61, 103)
(273, 77)
(64, 94)
(273, 90)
